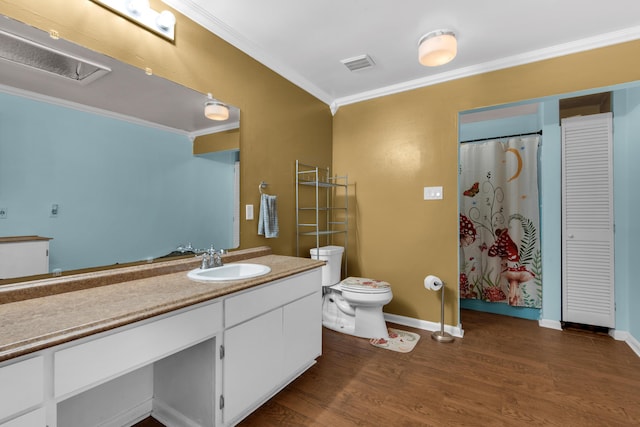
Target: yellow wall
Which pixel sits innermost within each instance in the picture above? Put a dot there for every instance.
(219, 141)
(393, 146)
(279, 121)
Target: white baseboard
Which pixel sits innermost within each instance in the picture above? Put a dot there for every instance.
(628, 338)
(130, 417)
(633, 343)
(614, 333)
(551, 324)
(618, 335)
(456, 331)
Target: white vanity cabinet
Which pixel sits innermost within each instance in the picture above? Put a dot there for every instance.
(93, 362)
(272, 334)
(21, 390)
(205, 365)
(34, 418)
(23, 256)
(100, 374)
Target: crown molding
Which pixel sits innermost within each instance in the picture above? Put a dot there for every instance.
(211, 23)
(582, 45)
(228, 34)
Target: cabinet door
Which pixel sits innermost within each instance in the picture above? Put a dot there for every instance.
(302, 333)
(24, 258)
(587, 219)
(252, 363)
(21, 386)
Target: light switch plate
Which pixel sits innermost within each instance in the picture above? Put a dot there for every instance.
(433, 193)
(248, 215)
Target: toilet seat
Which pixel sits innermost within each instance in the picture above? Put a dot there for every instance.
(363, 285)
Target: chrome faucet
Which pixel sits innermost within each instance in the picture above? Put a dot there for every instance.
(211, 258)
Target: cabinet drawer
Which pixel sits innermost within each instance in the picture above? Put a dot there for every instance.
(262, 299)
(96, 361)
(21, 386)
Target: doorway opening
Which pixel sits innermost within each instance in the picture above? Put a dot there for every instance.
(500, 267)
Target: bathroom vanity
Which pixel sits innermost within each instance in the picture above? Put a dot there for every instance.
(108, 352)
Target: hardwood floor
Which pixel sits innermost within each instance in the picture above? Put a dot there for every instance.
(504, 372)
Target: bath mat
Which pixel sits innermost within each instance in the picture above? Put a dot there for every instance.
(400, 341)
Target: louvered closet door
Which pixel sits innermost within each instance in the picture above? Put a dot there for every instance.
(587, 221)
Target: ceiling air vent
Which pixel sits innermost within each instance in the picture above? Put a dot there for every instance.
(31, 54)
(358, 62)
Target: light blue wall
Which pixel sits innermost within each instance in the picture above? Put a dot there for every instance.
(126, 191)
(551, 211)
(626, 131)
(524, 124)
(626, 107)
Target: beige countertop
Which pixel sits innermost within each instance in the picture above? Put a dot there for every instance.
(41, 314)
(15, 239)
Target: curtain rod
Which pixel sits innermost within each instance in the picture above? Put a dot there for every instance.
(501, 137)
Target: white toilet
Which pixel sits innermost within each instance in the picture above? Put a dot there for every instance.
(354, 305)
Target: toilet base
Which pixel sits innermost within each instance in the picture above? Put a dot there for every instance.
(370, 323)
(367, 322)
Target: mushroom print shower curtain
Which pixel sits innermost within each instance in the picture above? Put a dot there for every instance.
(499, 222)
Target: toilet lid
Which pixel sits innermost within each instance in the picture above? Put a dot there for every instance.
(364, 285)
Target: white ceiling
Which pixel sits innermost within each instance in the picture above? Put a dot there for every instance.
(304, 41)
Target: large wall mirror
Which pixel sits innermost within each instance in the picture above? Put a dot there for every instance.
(105, 166)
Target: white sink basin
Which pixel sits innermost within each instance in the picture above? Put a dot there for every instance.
(236, 271)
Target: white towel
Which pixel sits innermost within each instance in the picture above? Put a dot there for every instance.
(268, 220)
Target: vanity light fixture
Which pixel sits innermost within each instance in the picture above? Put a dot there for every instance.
(437, 48)
(162, 23)
(24, 52)
(215, 110)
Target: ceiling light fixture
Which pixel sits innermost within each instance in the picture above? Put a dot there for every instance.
(437, 48)
(162, 23)
(215, 110)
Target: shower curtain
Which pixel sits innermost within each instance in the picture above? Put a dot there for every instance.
(500, 258)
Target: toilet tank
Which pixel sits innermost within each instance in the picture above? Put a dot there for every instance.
(332, 269)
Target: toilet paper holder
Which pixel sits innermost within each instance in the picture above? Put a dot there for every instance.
(434, 283)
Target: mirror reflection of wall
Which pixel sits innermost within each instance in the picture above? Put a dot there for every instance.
(115, 153)
(125, 192)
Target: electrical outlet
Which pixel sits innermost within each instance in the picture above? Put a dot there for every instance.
(3, 213)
